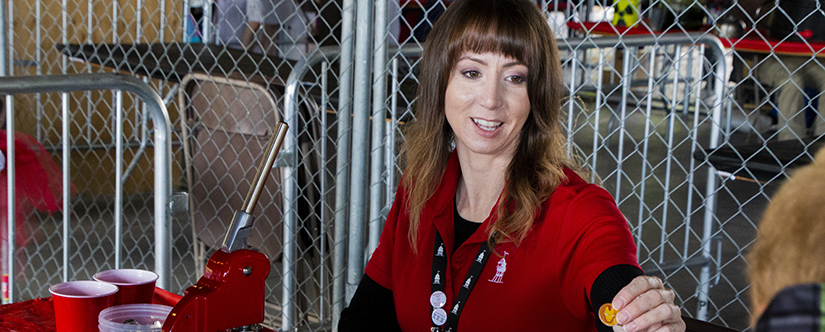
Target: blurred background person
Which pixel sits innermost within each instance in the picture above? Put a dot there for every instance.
(250, 24)
(785, 266)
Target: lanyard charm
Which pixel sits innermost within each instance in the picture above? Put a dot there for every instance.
(439, 316)
(438, 299)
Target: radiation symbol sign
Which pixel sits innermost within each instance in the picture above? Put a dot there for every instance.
(625, 12)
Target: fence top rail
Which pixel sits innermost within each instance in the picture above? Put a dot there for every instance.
(87, 82)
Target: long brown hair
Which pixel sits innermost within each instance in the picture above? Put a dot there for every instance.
(514, 28)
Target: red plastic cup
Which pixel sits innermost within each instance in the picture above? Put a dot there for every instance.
(78, 303)
(136, 286)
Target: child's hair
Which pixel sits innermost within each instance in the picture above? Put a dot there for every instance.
(790, 243)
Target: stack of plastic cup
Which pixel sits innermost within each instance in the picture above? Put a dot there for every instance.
(133, 318)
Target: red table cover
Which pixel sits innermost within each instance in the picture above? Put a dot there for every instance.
(37, 315)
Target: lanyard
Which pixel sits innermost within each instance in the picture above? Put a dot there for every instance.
(442, 320)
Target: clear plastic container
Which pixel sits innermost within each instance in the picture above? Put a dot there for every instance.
(133, 318)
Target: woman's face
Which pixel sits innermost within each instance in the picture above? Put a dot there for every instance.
(486, 103)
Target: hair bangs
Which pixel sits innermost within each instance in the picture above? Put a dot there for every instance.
(479, 34)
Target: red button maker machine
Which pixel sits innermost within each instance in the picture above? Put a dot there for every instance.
(230, 295)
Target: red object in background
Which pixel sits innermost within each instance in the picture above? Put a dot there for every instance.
(38, 185)
(5, 284)
(230, 294)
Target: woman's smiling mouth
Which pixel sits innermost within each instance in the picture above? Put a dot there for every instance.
(487, 125)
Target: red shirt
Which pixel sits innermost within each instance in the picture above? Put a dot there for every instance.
(544, 283)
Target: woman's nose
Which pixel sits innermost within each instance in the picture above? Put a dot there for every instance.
(491, 94)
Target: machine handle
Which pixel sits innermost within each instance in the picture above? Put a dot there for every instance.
(238, 232)
(265, 167)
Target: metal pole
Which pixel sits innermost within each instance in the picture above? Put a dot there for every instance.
(570, 101)
(88, 95)
(379, 119)
(596, 113)
(290, 189)
(114, 22)
(671, 127)
(4, 49)
(163, 143)
(10, 171)
(645, 146)
(389, 154)
(139, 20)
(322, 112)
(693, 147)
(163, 22)
(4, 37)
(207, 22)
(66, 118)
(360, 144)
(187, 25)
(711, 184)
(39, 66)
(118, 177)
(342, 157)
(626, 82)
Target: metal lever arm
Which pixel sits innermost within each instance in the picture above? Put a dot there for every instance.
(238, 233)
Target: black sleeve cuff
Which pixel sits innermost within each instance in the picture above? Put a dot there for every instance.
(607, 285)
(371, 309)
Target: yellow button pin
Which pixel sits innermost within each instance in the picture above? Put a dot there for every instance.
(607, 314)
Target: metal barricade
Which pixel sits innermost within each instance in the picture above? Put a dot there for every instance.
(162, 160)
(704, 256)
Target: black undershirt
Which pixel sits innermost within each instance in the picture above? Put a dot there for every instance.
(372, 307)
(463, 229)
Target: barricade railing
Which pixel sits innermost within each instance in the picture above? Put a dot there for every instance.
(715, 118)
(64, 84)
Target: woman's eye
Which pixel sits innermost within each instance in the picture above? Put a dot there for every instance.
(471, 73)
(516, 79)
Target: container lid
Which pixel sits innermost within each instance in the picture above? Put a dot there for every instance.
(133, 317)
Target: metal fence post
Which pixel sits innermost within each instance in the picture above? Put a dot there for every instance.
(379, 119)
(360, 145)
(339, 299)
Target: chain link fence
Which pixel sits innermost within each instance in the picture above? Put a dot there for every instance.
(691, 134)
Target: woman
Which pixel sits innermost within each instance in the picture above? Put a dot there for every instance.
(491, 230)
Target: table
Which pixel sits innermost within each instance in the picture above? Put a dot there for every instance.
(755, 41)
(37, 315)
(762, 161)
(172, 61)
(608, 28)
